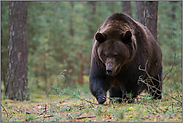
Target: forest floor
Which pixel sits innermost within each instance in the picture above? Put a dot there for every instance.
(81, 106)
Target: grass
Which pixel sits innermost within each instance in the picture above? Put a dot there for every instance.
(80, 106)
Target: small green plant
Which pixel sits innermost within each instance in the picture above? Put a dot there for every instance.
(98, 111)
(30, 117)
(119, 114)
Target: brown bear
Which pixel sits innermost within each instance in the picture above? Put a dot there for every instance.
(125, 59)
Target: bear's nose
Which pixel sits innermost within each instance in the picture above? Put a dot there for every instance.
(109, 71)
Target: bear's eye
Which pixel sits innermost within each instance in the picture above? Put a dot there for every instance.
(105, 55)
(116, 55)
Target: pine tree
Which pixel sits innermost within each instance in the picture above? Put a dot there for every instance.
(146, 13)
(17, 81)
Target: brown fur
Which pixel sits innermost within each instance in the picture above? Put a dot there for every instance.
(122, 45)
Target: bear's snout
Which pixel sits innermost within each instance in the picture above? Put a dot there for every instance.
(109, 71)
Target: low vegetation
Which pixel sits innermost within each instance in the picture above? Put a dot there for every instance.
(80, 106)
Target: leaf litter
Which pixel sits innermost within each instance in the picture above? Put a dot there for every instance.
(76, 110)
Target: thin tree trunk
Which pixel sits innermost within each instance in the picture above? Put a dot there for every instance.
(173, 3)
(151, 16)
(17, 81)
(81, 73)
(91, 18)
(3, 73)
(45, 76)
(71, 31)
(126, 7)
(139, 12)
(146, 13)
(112, 6)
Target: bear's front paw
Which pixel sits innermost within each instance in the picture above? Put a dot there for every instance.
(101, 100)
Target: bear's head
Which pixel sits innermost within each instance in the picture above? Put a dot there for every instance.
(116, 48)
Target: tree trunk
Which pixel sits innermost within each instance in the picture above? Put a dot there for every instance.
(139, 11)
(17, 81)
(151, 16)
(45, 75)
(81, 73)
(71, 30)
(173, 3)
(3, 72)
(91, 18)
(146, 13)
(112, 6)
(126, 7)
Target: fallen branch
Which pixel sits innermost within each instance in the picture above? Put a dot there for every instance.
(47, 116)
(27, 112)
(86, 100)
(143, 118)
(5, 110)
(85, 117)
(92, 102)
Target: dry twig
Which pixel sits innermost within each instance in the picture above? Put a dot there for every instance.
(85, 117)
(150, 78)
(5, 110)
(92, 102)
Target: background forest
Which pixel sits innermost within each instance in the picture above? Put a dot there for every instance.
(60, 37)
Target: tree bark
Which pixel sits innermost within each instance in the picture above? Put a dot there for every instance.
(151, 16)
(71, 30)
(126, 7)
(17, 81)
(139, 11)
(91, 18)
(146, 13)
(81, 73)
(112, 6)
(173, 3)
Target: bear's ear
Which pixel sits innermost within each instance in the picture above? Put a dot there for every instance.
(100, 37)
(126, 36)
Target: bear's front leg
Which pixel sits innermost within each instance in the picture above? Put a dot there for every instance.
(99, 84)
(98, 89)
